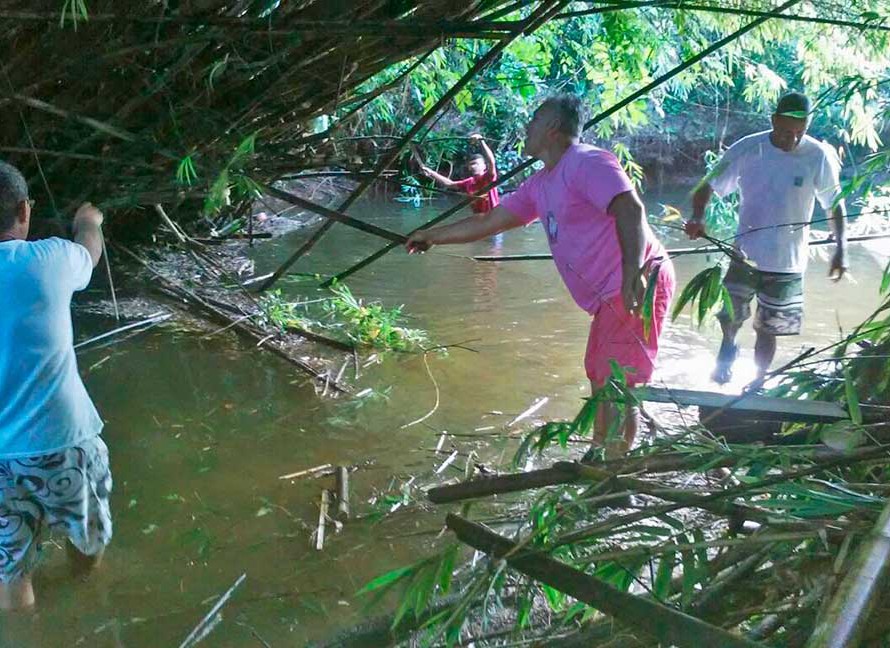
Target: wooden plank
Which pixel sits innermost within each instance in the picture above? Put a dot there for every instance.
(765, 408)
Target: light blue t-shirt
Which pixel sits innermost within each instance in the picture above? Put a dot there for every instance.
(44, 405)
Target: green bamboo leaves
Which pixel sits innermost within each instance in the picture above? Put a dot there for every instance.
(232, 179)
(421, 582)
(185, 171)
(706, 293)
(75, 11)
(649, 300)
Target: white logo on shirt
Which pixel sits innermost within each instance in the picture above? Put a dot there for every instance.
(552, 227)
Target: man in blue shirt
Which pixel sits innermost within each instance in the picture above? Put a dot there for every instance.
(54, 469)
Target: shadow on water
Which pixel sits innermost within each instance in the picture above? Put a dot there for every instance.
(200, 431)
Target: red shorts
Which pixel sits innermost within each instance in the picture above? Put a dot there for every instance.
(617, 335)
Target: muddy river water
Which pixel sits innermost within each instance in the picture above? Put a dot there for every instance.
(200, 430)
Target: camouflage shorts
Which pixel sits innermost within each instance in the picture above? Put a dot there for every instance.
(779, 299)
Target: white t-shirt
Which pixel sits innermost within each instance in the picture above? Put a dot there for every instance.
(44, 405)
(777, 188)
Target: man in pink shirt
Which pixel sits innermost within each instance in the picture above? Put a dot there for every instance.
(600, 240)
(483, 171)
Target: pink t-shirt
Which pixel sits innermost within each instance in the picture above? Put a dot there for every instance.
(572, 201)
(471, 185)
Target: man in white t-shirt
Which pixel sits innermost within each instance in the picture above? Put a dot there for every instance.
(54, 471)
(779, 175)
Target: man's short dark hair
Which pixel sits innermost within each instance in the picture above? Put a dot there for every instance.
(476, 156)
(13, 190)
(569, 110)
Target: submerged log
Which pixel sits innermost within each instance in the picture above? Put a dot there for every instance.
(657, 620)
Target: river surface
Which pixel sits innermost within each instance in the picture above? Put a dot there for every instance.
(200, 430)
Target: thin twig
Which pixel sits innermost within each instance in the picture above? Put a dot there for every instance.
(191, 639)
(436, 406)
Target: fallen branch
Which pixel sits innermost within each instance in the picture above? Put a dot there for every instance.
(661, 622)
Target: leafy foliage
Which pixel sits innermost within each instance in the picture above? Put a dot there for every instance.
(707, 289)
(370, 324)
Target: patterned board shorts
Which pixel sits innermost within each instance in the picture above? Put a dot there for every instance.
(779, 299)
(66, 491)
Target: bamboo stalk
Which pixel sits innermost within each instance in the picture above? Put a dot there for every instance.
(342, 480)
(657, 620)
(309, 471)
(322, 519)
(738, 11)
(158, 317)
(704, 249)
(207, 623)
(332, 216)
(564, 472)
(846, 620)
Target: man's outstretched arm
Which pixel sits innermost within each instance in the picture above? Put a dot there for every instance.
(464, 231)
(437, 177)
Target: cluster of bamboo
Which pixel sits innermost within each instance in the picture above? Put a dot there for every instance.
(132, 104)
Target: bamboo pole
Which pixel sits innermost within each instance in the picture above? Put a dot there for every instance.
(342, 480)
(322, 519)
(564, 472)
(703, 249)
(208, 622)
(659, 621)
(664, 78)
(332, 216)
(530, 23)
(846, 620)
(738, 11)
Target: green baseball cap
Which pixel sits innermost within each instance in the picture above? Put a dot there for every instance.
(794, 104)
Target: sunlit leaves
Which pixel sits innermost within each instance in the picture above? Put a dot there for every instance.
(705, 293)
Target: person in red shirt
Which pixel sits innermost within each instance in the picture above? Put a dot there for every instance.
(483, 171)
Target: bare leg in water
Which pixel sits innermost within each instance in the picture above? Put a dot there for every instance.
(606, 415)
(19, 593)
(764, 352)
(728, 351)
